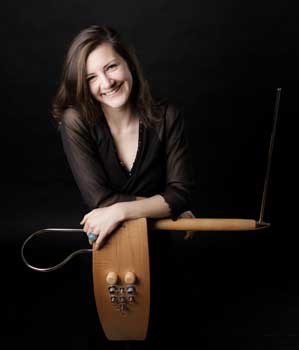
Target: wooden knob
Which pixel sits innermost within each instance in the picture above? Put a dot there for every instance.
(130, 277)
(111, 278)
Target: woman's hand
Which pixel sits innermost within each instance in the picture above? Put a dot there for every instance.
(102, 222)
(187, 214)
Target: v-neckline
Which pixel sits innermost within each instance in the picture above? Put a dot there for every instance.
(121, 163)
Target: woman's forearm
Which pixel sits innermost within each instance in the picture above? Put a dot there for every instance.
(152, 207)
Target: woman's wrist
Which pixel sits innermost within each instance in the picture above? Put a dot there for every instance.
(152, 207)
(120, 209)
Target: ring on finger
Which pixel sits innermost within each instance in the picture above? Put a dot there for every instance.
(92, 236)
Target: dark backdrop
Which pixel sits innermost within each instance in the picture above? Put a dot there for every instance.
(222, 61)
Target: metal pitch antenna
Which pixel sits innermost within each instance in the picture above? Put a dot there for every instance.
(271, 147)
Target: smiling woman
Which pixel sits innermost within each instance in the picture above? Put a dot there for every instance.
(122, 145)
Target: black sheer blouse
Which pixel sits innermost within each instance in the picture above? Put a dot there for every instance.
(162, 164)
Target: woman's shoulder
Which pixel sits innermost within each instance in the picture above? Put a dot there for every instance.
(71, 122)
(71, 118)
(171, 109)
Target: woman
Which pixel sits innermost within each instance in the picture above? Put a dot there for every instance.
(128, 153)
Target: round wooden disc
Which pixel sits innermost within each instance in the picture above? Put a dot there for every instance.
(125, 251)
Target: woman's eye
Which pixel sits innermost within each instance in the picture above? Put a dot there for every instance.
(112, 66)
(90, 78)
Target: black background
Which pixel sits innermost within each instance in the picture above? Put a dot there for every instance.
(222, 61)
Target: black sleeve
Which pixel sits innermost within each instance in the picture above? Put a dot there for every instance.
(85, 164)
(180, 183)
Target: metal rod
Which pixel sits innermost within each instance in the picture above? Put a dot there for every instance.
(271, 147)
(58, 266)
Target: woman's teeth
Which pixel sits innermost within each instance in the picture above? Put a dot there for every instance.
(111, 92)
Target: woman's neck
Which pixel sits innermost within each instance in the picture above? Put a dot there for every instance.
(119, 119)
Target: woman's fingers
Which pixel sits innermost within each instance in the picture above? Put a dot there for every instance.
(188, 235)
(85, 217)
(187, 214)
(92, 237)
(99, 241)
(87, 228)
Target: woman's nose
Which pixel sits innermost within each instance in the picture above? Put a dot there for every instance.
(105, 83)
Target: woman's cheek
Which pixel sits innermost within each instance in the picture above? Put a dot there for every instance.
(92, 89)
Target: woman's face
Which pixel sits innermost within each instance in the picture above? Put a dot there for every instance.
(109, 78)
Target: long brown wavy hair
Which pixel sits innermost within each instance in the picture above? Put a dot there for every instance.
(73, 90)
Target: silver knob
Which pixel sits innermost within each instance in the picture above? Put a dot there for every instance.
(112, 289)
(131, 289)
(131, 299)
(113, 299)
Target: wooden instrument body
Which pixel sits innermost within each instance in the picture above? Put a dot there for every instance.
(125, 251)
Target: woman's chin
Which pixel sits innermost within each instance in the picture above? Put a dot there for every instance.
(114, 103)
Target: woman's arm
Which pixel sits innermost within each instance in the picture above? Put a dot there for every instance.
(103, 221)
(152, 207)
(180, 180)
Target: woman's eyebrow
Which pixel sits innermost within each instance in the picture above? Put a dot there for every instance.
(107, 64)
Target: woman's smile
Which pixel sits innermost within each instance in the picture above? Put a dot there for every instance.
(113, 92)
